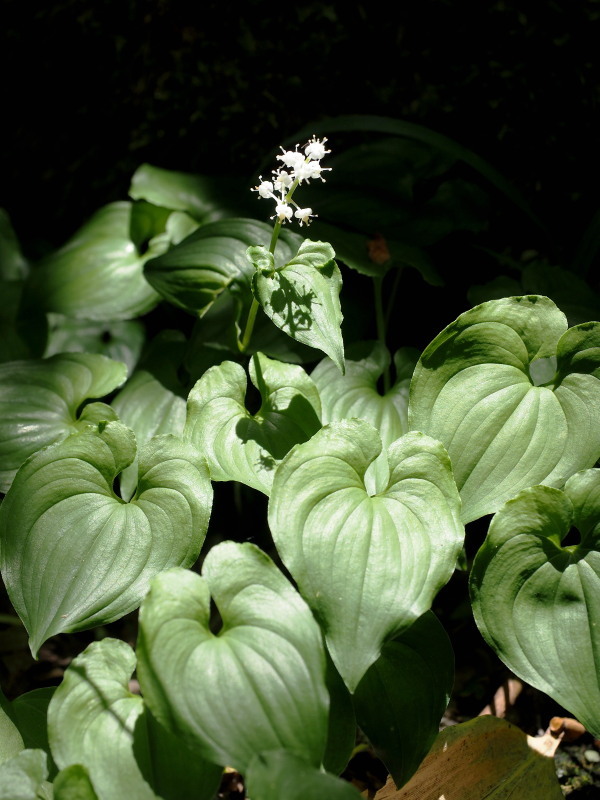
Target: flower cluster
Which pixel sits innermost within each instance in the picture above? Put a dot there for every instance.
(297, 168)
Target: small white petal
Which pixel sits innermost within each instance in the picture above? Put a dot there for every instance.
(315, 149)
(304, 215)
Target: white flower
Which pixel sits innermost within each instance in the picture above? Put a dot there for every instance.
(315, 149)
(313, 170)
(264, 188)
(283, 212)
(283, 180)
(291, 158)
(304, 215)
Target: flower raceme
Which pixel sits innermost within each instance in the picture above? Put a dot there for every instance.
(297, 168)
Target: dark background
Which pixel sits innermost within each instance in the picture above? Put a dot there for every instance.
(93, 89)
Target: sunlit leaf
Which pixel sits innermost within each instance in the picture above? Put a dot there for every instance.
(94, 720)
(536, 602)
(266, 665)
(247, 447)
(513, 395)
(74, 555)
(41, 403)
(22, 777)
(368, 564)
(302, 297)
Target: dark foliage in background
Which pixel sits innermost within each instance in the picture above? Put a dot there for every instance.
(92, 89)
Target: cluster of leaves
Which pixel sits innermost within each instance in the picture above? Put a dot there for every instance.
(109, 489)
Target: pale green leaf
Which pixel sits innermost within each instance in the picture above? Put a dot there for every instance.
(357, 394)
(40, 403)
(98, 274)
(477, 389)
(278, 774)
(369, 565)
(94, 720)
(536, 602)
(22, 777)
(302, 297)
(11, 741)
(73, 783)
(265, 667)
(74, 555)
(247, 447)
(401, 699)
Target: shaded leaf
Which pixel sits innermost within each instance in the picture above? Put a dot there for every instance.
(402, 697)
(278, 774)
(73, 783)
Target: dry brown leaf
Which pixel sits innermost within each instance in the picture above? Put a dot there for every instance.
(484, 759)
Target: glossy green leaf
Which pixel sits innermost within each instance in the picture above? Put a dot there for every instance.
(98, 273)
(152, 402)
(302, 297)
(357, 394)
(40, 403)
(22, 777)
(121, 341)
(278, 774)
(74, 555)
(247, 447)
(266, 665)
(536, 602)
(73, 783)
(94, 720)
(213, 259)
(401, 699)
(368, 565)
(478, 389)
(205, 198)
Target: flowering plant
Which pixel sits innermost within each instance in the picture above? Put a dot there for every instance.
(267, 658)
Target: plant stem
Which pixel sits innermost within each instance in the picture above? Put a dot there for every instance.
(380, 320)
(392, 297)
(10, 619)
(249, 325)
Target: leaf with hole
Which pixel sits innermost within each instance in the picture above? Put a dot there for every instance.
(368, 565)
(265, 667)
(513, 395)
(248, 447)
(74, 555)
(537, 602)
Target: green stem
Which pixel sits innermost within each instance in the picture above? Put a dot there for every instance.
(380, 320)
(393, 293)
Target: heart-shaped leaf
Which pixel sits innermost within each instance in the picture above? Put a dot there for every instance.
(94, 720)
(98, 273)
(265, 667)
(356, 394)
(40, 403)
(538, 603)
(74, 555)
(483, 759)
(303, 297)
(193, 274)
(247, 447)
(403, 695)
(477, 388)
(278, 774)
(369, 566)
